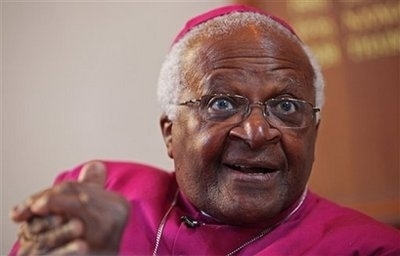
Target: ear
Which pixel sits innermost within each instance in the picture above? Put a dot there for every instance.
(166, 130)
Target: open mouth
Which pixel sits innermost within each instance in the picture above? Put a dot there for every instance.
(251, 169)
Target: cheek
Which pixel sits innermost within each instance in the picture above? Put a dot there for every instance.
(300, 154)
(197, 147)
(197, 140)
(209, 144)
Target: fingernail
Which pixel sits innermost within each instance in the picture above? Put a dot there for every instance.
(19, 208)
(17, 211)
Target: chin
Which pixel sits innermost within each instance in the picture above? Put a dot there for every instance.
(242, 211)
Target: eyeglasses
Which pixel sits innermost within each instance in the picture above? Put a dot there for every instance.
(279, 112)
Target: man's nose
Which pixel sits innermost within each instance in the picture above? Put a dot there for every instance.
(255, 129)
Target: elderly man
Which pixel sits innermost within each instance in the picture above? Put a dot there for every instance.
(241, 96)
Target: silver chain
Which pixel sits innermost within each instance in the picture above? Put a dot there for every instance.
(267, 230)
(162, 224)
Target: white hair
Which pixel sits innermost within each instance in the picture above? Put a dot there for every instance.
(170, 82)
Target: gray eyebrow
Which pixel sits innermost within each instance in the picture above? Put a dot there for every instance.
(288, 80)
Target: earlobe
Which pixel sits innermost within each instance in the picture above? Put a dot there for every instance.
(166, 129)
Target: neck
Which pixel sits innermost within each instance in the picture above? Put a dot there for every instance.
(206, 218)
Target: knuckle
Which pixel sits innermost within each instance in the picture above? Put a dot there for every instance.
(80, 246)
(65, 187)
(122, 208)
(76, 227)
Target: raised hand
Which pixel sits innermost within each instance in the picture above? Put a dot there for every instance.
(73, 217)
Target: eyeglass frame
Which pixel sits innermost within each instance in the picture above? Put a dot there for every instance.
(248, 108)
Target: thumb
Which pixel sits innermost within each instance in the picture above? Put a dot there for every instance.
(93, 172)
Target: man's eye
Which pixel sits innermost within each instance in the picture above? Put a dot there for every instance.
(287, 106)
(221, 104)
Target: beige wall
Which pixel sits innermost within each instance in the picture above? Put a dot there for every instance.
(78, 82)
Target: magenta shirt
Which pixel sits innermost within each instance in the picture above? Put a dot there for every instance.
(319, 227)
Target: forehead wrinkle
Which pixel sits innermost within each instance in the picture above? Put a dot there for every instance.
(227, 74)
(261, 63)
(238, 74)
(232, 82)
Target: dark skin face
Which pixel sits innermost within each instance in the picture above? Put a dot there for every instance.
(246, 173)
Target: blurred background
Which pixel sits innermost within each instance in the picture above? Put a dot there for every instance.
(78, 82)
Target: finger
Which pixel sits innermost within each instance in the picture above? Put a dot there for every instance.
(94, 172)
(40, 224)
(76, 247)
(69, 204)
(26, 243)
(25, 248)
(47, 241)
(65, 195)
(22, 211)
(23, 232)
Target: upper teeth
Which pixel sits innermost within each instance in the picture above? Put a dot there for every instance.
(249, 168)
